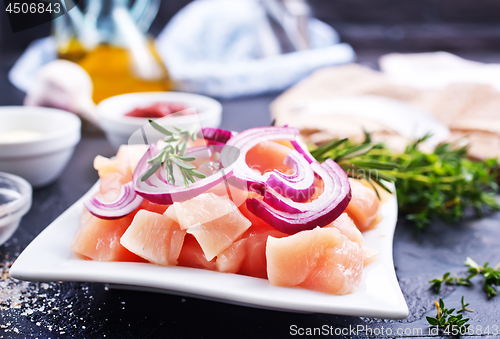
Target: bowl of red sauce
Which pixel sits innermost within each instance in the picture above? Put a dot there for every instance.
(122, 115)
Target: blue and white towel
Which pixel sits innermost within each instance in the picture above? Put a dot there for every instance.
(217, 47)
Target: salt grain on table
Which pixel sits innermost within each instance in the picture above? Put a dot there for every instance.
(33, 300)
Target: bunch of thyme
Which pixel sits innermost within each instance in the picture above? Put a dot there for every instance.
(429, 186)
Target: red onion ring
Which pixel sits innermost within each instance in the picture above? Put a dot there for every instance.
(298, 186)
(290, 217)
(244, 141)
(126, 203)
(158, 191)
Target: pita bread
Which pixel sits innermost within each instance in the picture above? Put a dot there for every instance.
(470, 110)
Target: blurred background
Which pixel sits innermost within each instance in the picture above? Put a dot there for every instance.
(469, 29)
(373, 28)
(390, 25)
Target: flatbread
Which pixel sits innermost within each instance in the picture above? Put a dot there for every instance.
(471, 111)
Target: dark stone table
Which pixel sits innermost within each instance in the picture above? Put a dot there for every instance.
(91, 310)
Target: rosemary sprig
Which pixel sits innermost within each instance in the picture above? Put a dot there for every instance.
(438, 185)
(354, 160)
(174, 153)
(446, 320)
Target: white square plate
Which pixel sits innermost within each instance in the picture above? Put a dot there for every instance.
(49, 258)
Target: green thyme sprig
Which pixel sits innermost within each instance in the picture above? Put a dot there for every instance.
(464, 308)
(429, 186)
(446, 279)
(445, 319)
(491, 275)
(174, 153)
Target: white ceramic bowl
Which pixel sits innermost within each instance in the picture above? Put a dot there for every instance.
(119, 128)
(15, 201)
(42, 160)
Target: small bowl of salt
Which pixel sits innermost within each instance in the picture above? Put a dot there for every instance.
(15, 202)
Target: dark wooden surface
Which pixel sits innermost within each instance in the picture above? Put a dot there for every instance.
(89, 310)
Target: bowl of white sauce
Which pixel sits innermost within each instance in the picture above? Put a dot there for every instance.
(36, 143)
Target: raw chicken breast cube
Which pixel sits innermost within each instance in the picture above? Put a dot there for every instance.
(322, 259)
(99, 239)
(363, 207)
(154, 237)
(214, 221)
